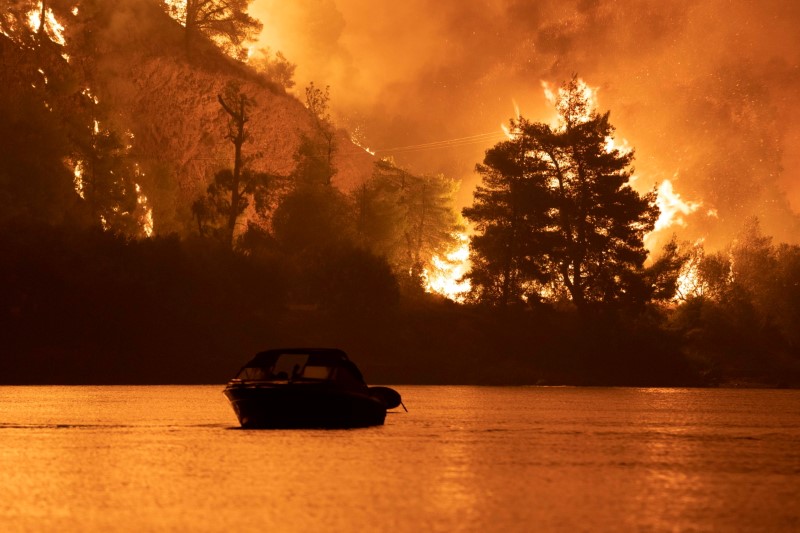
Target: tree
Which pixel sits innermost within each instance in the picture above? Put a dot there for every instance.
(511, 211)
(567, 214)
(226, 198)
(275, 68)
(314, 157)
(106, 178)
(406, 218)
(312, 217)
(226, 22)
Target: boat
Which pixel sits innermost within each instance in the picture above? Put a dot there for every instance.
(306, 388)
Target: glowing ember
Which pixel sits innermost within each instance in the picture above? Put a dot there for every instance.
(146, 219)
(443, 276)
(77, 180)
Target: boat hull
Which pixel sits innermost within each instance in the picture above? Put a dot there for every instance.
(300, 405)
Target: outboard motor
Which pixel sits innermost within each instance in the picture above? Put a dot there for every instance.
(388, 396)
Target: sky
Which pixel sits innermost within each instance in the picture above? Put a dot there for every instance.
(704, 91)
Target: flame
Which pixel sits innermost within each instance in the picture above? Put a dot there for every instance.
(354, 138)
(673, 207)
(444, 275)
(510, 134)
(51, 23)
(146, 220)
(549, 95)
(77, 180)
(690, 283)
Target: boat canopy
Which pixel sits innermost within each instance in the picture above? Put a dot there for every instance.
(301, 364)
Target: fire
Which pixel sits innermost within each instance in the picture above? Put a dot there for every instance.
(444, 275)
(690, 282)
(354, 138)
(510, 134)
(50, 23)
(673, 207)
(78, 179)
(146, 219)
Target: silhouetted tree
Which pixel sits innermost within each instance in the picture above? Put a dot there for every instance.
(226, 198)
(511, 212)
(226, 22)
(350, 281)
(314, 157)
(275, 68)
(312, 217)
(106, 177)
(406, 218)
(663, 275)
(585, 224)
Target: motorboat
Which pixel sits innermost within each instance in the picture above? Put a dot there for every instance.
(307, 388)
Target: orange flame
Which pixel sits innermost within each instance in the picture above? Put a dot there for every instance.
(444, 275)
(673, 207)
(56, 30)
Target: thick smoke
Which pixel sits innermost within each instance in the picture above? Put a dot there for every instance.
(705, 91)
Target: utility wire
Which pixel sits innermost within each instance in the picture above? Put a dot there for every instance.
(448, 143)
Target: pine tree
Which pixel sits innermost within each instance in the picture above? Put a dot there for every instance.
(556, 214)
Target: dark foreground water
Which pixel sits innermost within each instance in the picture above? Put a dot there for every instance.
(462, 459)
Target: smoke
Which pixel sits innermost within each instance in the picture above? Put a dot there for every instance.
(705, 91)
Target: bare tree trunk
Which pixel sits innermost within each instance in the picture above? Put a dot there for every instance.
(42, 17)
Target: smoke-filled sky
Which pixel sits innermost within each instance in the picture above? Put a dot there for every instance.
(704, 90)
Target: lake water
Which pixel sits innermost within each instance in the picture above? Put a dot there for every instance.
(462, 459)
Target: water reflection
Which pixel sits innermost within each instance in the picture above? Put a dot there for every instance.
(463, 459)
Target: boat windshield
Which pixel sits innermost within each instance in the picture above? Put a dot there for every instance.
(301, 366)
(288, 366)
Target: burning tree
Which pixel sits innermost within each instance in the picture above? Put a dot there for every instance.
(406, 218)
(555, 213)
(226, 22)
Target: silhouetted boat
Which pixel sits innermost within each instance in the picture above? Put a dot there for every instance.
(306, 388)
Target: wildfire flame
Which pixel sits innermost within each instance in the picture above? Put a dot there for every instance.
(146, 220)
(56, 30)
(673, 207)
(78, 179)
(444, 275)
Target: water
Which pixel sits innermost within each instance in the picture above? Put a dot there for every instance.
(462, 459)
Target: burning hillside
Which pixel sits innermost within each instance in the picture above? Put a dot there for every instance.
(131, 58)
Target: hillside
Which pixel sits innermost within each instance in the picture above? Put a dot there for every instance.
(133, 58)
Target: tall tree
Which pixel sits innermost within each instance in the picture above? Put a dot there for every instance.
(227, 197)
(314, 157)
(580, 219)
(511, 212)
(226, 22)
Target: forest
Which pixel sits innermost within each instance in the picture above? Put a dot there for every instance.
(170, 203)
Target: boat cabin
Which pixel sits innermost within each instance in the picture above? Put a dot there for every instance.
(290, 365)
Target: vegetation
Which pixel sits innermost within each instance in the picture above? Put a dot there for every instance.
(226, 22)
(227, 196)
(556, 217)
(563, 290)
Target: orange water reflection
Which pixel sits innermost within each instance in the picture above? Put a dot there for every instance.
(462, 459)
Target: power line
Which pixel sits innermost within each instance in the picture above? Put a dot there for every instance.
(448, 143)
